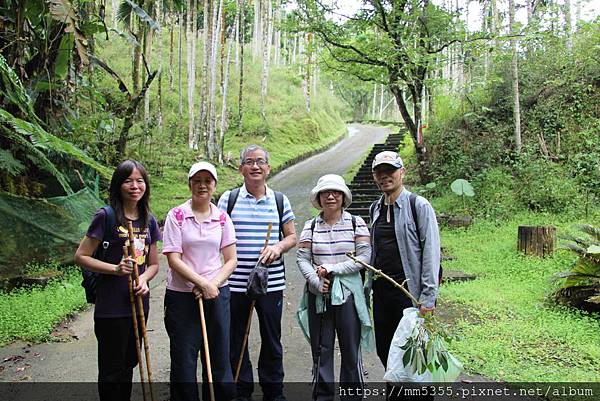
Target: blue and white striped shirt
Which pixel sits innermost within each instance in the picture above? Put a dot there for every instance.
(251, 218)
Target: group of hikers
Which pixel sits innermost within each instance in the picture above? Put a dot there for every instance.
(213, 249)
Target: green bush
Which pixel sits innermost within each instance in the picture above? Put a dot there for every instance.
(543, 186)
(495, 197)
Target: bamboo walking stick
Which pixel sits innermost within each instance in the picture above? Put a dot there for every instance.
(385, 276)
(247, 333)
(140, 304)
(135, 329)
(206, 350)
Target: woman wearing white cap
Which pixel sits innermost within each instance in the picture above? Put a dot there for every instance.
(196, 234)
(333, 301)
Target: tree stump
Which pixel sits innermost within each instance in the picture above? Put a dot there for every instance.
(537, 240)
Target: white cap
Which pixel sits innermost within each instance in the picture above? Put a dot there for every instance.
(387, 157)
(206, 166)
(330, 182)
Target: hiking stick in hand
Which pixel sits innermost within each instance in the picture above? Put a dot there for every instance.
(206, 350)
(140, 304)
(247, 333)
(135, 328)
(385, 276)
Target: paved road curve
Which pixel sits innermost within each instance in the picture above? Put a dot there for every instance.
(74, 360)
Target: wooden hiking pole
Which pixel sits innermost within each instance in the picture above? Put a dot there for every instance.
(135, 328)
(206, 350)
(140, 304)
(385, 276)
(247, 333)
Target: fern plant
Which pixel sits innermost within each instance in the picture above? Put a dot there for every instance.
(581, 285)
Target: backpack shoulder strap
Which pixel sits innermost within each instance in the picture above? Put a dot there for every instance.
(372, 208)
(413, 209)
(354, 223)
(233, 195)
(110, 221)
(313, 222)
(279, 202)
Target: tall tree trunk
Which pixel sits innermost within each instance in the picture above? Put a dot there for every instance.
(495, 23)
(171, 50)
(223, 126)
(381, 103)
(182, 27)
(137, 57)
(204, 85)
(222, 36)
(515, 77)
(241, 87)
(148, 34)
(374, 101)
(212, 117)
(191, 74)
(568, 24)
(159, 50)
(266, 26)
(257, 32)
(308, 75)
(114, 9)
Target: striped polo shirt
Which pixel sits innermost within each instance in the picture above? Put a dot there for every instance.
(251, 218)
(330, 243)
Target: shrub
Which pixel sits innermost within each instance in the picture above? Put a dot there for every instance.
(544, 186)
(495, 194)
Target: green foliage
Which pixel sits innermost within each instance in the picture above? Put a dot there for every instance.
(495, 197)
(581, 285)
(31, 313)
(508, 331)
(544, 186)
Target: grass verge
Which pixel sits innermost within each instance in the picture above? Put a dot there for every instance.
(512, 333)
(30, 314)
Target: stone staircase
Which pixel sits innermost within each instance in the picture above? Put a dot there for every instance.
(363, 188)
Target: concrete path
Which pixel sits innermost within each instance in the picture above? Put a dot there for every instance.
(74, 359)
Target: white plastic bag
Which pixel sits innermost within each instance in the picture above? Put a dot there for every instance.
(396, 372)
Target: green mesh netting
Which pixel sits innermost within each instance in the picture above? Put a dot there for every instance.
(38, 229)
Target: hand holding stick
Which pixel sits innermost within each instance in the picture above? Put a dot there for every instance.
(385, 276)
(247, 332)
(135, 328)
(140, 304)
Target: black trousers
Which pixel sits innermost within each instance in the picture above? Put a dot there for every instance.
(182, 321)
(117, 357)
(270, 361)
(388, 305)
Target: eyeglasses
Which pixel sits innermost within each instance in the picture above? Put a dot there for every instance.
(251, 162)
(335, 194)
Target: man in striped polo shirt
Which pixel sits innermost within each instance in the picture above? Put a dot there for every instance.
(254, 208)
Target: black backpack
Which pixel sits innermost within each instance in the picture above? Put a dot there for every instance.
(91, 280)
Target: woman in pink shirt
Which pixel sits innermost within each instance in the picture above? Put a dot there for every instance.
(196, 234)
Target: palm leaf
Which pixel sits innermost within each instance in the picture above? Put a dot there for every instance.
(143, 15)
(12, 89)
(592, 231)
(37, 156)
(9, 164)
(44, 140)
(63, 11)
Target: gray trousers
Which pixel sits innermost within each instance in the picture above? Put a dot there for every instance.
(343, 320)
